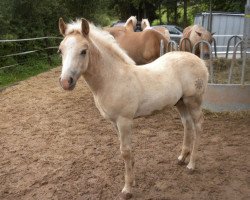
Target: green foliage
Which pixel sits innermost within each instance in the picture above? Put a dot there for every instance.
(33, 18)
(31, 67)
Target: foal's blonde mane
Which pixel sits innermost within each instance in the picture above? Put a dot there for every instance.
(101, 37)
(145, 24)
(133, 19)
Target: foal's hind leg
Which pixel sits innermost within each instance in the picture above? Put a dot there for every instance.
(188, 125)
(193, 105)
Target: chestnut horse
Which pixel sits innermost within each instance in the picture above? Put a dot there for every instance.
(123, 91)
(195, 34)
(143, 47)
(145, 25)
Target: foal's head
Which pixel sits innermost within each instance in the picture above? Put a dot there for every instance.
(203, 34)
(74, 50)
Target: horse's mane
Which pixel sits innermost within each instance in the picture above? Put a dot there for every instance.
(97, 35)
(133, 19)
(146, 23)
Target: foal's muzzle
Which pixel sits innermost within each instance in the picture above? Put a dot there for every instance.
(67, 83)
(206, 56)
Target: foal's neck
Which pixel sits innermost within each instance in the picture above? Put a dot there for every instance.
(103, 69)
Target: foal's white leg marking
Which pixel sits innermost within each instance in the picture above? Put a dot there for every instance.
(188, 130)
(124, 126)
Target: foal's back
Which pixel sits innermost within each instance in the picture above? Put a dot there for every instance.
(176, 68)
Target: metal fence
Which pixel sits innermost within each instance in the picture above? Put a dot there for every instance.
(235, 43)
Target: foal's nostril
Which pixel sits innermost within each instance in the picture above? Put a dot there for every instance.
(71, 81)
(67, 83)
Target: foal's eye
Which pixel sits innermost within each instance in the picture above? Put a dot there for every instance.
(59, 51)
(83, 52)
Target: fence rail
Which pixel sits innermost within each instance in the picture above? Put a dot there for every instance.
(30, 39)
(30, 51)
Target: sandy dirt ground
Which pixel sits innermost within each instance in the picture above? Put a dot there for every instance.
(55, 145)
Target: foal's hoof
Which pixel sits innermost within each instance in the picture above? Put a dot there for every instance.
(125, 196)
(181, 162)
(190, 170)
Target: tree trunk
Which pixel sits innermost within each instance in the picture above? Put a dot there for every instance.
(160, 14)
(185, 14)
(175, 13)
(144, 11)
(168, 15)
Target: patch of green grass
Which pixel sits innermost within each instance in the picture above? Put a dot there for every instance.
(30, 67)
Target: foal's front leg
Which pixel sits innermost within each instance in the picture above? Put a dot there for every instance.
(124, 126)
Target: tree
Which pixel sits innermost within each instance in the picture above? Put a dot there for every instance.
(31, 18)
(185, 13)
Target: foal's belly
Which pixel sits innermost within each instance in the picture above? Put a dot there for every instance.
(154, 103)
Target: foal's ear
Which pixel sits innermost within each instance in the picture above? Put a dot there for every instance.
(85, 27)
(62, 26)
(199, 33)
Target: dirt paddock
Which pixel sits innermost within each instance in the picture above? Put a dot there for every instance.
(55, 145)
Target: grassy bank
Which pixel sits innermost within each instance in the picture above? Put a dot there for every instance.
(30, 67)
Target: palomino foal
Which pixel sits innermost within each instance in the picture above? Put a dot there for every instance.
(196, 33)
(123, 91)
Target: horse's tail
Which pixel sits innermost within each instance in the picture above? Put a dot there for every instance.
(162, 47)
